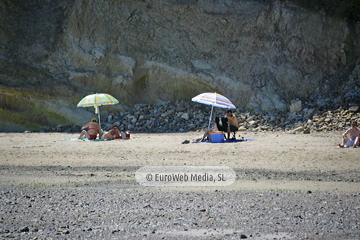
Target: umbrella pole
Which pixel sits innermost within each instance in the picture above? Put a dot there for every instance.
(212, 107)
(97, 110)
(99, 119)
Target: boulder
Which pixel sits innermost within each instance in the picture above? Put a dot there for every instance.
(242, 128)
(185, 116)
(354, 109)
(306, 131)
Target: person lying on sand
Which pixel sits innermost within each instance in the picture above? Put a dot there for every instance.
(93, 129)
(229, 123)
(351, 136)
(114, 133)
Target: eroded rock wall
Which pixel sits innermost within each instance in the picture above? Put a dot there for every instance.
(260, 54)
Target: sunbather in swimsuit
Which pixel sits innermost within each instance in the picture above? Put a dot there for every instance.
(114, 133)
(229, 123)
(93, 130)
(92, 137)
(351, 137)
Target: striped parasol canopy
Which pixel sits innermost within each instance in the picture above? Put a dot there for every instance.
(97, 100)
(213, 99)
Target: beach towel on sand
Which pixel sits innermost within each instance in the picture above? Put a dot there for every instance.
(83, 139)
(231, 141)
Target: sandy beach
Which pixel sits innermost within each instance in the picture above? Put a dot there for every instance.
(288, 186)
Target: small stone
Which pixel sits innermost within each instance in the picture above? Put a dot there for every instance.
(242, 128)
(299, 129)
(243, 236)
(24, 229)
(223, 21)
(202, 210)
(354, 109)
(185, 116)
(264, 128)
(306, 131)
(253, 123)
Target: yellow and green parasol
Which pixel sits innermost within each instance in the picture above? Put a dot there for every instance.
(97, 100)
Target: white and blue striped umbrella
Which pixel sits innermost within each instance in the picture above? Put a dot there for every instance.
(213, 99)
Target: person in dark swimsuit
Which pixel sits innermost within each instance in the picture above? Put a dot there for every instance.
(92, 131)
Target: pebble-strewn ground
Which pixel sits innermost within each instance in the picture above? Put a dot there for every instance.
(134, 213)
(288, 186)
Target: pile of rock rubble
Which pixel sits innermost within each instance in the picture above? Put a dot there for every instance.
(180, 116)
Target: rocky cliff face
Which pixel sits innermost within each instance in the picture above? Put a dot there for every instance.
(260, 54)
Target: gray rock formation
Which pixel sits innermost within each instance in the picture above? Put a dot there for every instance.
(260, 54)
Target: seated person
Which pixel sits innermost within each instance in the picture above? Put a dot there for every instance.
(229, 123)
(114, 133)
(351, 136)
(93, 129)
(207, 134)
